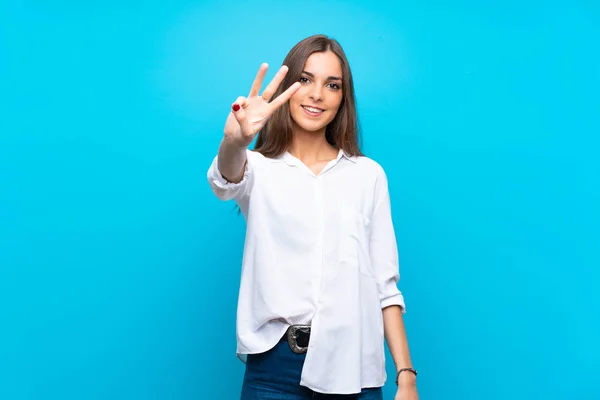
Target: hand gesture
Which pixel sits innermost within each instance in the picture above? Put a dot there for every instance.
(249, 114)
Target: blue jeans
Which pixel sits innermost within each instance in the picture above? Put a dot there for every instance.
(275, 374)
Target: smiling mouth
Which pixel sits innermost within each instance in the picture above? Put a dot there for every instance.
(313, 111)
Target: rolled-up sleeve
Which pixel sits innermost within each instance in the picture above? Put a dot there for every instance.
(383, 248)
(226, 190)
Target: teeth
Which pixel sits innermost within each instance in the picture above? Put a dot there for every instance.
(314, 110)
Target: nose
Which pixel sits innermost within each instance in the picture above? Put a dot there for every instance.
(316, 93)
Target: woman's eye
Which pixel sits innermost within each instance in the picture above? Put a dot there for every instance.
(334, 86)
(303, 80)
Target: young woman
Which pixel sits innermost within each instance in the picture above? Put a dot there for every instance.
(318, 291)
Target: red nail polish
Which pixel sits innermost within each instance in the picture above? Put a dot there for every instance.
(235, 107)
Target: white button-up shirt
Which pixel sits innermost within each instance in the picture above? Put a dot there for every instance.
(319, 250)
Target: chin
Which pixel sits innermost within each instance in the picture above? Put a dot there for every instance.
(308, 127)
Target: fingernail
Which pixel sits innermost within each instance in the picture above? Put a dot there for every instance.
(235, 107)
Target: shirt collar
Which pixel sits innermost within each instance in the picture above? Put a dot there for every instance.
(349, 157)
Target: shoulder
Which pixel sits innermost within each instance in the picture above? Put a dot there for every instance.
(254, 155)
(368, 166)
(261, 163)
(374, 176)
(256, 158)
(371, 173)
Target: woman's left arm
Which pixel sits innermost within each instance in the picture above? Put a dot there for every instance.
(383, 251)
(395, 335)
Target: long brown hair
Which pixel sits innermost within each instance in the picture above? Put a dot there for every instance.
(342, 132)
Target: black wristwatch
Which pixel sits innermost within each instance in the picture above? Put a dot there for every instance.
(414, 371)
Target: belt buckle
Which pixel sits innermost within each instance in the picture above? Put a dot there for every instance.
(291, 338)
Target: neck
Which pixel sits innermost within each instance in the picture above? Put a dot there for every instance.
(311, 146)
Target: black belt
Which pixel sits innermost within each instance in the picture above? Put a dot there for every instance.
(298, 337)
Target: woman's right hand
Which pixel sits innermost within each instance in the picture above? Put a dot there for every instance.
(249, 114)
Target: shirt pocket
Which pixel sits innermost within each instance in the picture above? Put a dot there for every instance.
(354, 245)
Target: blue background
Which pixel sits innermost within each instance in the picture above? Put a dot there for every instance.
(119, 269)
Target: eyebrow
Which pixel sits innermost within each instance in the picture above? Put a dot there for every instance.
(329, 78)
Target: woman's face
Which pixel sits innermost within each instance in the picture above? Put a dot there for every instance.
(317, 101)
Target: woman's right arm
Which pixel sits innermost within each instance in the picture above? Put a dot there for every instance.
(232, 161)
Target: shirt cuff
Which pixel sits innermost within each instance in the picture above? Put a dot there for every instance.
(396, 300)
(215, 177)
